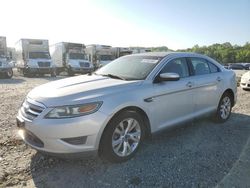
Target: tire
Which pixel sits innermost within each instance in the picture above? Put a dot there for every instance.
(115, 139)
(9, 74)
(53, 73)
(70, 72)
(224, 108)
(25, 72)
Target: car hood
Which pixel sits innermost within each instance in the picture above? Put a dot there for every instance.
(79, 89)
(246, 75)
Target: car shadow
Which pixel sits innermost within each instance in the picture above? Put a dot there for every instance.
(11, 80)
(49, 78)
(198, 154)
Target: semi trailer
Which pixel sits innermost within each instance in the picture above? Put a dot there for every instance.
(120, 51)
(5, 66)
(70, 57)
(33, 57)
(99, 55)
(136, 50)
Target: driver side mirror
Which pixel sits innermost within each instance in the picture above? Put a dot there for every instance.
(167, 77)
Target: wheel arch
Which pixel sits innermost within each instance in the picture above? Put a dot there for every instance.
(231, 93)
(133, 109)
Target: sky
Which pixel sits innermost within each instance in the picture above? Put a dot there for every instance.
(177, 24)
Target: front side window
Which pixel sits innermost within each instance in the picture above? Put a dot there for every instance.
(178, 66)
(200, 66)
(213, 68)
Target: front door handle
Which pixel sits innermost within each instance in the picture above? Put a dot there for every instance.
(218, 79)
(151, 99)
(189, 84)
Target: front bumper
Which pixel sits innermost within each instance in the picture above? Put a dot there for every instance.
(61, 136)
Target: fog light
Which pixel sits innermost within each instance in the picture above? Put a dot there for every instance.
(75, 140)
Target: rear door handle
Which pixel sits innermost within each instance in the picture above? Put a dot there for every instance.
(189, 84)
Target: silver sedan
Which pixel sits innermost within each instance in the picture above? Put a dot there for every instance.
(111, 111)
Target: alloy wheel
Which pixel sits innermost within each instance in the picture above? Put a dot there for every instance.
(126, 137)
(225, 107)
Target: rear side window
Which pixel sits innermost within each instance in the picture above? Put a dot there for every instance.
(200, 66)
(178, 66)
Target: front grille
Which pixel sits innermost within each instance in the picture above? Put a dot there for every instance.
(30, 111)
(84, 64)
(44, 64)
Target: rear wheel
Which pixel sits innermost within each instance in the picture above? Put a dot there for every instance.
(122, 137)
(224, 108)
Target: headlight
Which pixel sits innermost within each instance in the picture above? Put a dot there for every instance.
(73, 111)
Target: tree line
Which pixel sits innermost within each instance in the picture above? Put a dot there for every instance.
(224, 53)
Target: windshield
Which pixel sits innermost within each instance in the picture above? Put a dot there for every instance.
(105, 57)
(130, 67)
(39, 55)
(77, 56)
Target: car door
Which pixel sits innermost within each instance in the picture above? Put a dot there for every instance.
(173, 100)
(207, 80)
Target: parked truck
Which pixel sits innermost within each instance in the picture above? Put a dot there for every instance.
(120, 51)
(99, 55)
(33, 57)
(136, 50)
(70, 57)
(5, 66)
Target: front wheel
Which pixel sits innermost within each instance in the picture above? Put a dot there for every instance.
(224, 108)
(53, 73)
(9, 73)
(70, 72)
(122, 137)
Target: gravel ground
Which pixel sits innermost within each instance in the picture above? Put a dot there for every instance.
(198, 154)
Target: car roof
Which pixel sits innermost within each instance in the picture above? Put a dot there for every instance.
(178, 54)
(164, 54)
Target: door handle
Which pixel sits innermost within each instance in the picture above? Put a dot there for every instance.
(189, 84)
(218, 79)
(151, 99)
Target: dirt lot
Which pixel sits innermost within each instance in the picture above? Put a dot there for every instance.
(197, 155)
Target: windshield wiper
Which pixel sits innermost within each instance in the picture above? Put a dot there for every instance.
(113, 76)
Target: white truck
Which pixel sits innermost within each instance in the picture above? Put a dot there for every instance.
(33, 57)
(120, 51)
(5, 66)
(99, 55)
(70, 57)
(136, 50)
